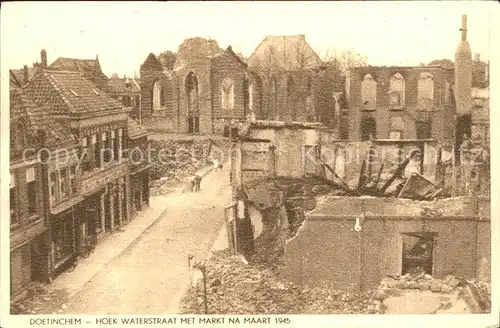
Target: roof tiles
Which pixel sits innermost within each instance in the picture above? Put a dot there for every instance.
(70, 92)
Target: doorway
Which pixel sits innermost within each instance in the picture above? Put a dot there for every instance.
(423, 130)
(368, 128)
(418, 252)
(193, 105)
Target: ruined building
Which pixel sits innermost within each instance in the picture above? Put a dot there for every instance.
(210, 89)
(206, 90)
(296, 86)
(394, 199)
(314, 193)
(399, 103)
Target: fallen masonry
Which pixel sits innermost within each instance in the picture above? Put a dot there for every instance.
(175, 162)
(234, 287)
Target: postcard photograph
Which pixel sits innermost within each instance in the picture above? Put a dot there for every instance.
(247, 162)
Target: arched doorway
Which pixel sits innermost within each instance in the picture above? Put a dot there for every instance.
(368, 128)
(193, 104)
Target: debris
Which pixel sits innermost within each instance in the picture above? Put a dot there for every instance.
(418, 187)
(255, 288)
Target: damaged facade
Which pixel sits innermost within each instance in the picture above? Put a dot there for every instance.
(210, 90)
(385, 201)
(399, 103)
(205, 92)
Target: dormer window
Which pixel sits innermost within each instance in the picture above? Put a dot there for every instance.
(426, 91)
(397, 92)
(227, 90)
(369, 92)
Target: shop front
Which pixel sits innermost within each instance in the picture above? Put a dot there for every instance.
(63, 243)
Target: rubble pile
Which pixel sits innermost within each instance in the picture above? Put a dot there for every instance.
(477, 295)
(235, 287)
(421, 281)
(175, 162)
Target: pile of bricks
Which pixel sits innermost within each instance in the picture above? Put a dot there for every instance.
(394, 285)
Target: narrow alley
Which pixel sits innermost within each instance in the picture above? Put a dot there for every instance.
(150, 276)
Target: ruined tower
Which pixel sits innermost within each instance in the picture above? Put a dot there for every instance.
(463, 73)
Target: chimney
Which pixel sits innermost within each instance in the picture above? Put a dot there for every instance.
(464, 28)
(26, 74)
(463, 73)
(43, 56)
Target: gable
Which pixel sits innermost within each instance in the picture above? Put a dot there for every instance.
(229, 57)
(285, 52)
(152, 63)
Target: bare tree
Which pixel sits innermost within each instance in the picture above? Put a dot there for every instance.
(345, 60)
(167, 59)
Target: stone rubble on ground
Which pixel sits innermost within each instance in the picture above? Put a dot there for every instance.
(396, 285)
(234, 287)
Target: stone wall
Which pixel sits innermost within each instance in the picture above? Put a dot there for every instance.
(329, 252)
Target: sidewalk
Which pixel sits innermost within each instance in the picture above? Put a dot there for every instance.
(110, 248)
(113, 245)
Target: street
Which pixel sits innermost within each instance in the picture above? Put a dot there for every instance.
(152, 274)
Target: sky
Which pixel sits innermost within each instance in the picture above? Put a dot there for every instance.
(122, 34)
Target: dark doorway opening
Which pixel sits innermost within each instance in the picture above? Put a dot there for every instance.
(368, 128)
(424, 130)
(193, 104)
(418, 252)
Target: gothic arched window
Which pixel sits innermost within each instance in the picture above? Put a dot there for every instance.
(158, 97)
(426, 91)
(227, 91)
(369, 92)
(397, 91)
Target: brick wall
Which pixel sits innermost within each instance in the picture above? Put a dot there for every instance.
(442, 118)
(375, 251)
(224, 66)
